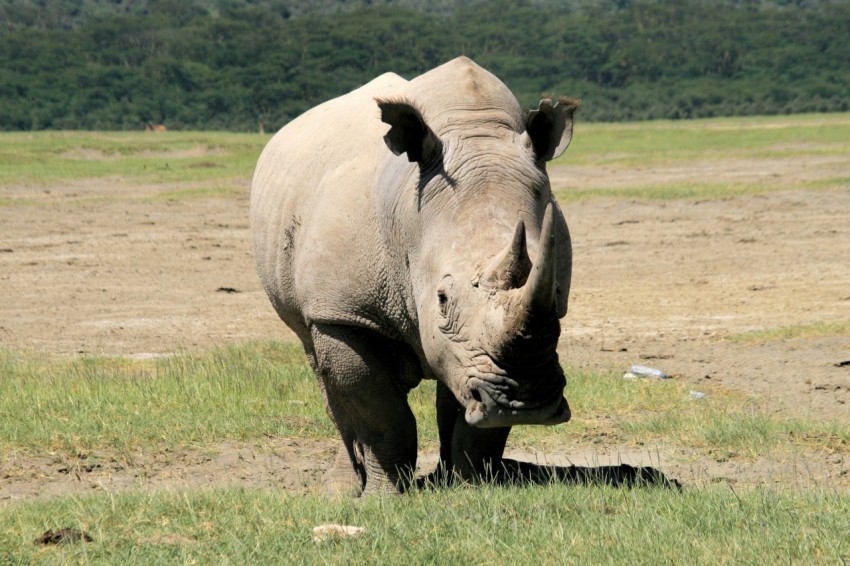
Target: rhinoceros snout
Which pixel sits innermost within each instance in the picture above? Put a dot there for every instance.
(483, 411)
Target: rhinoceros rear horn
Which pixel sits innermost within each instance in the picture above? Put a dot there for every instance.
(539, 292)
(408, 133)
(510, 268)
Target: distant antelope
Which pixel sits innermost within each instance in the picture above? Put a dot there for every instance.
(262, 127)
(155, 127)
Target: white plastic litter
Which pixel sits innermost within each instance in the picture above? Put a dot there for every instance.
(643, 371)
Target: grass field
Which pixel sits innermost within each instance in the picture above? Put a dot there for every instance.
(105, 408)
(644, 143)
(109, 407)
(45, 157)
(213, 157)
(631, 149)
(546, 524)
(114, 405)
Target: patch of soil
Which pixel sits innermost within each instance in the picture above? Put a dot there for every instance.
(95, 268)
(61, 536)
(296, 465)
(684, 274)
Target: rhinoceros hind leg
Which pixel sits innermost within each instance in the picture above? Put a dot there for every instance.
(364, 396)
(466, 452)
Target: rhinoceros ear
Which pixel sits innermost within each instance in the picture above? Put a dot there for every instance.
(409, 133)
(550, 127)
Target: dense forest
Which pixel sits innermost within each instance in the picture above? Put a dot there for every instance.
(231, 64)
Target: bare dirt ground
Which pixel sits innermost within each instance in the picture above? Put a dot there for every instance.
(101, 268)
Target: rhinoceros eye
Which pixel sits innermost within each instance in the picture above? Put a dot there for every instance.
(443, 299)
(445, 290)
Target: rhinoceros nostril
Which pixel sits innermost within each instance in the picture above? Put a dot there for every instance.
(476, 395)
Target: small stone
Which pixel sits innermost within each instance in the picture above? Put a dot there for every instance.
(322, 533)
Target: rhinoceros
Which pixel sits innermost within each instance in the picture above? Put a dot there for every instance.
(406, 231)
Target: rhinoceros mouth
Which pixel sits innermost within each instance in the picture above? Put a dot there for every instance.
(483, 412)
(497, 394)
(495, 404)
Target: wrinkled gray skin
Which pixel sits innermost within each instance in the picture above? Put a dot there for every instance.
(407, 231)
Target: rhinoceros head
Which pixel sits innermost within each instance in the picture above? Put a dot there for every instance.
(497, 331)
(487, 249)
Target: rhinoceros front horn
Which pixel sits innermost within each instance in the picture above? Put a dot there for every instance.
(539, 291)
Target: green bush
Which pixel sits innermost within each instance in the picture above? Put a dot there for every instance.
(228, 65)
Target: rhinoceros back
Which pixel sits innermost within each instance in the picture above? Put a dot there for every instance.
(312, 212)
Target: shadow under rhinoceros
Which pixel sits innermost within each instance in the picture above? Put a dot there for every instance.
(518, 473)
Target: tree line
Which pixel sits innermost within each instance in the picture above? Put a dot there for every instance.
(233, 64)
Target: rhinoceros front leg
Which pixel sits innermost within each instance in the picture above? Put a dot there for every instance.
(366, 400)
(467, 452)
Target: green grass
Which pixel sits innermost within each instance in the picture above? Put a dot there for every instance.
(204, 192)
(115, 405)
(813, 330)
(829, 183)
(46, 158)
(670, 191)
(645, 143)
(484, 525)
